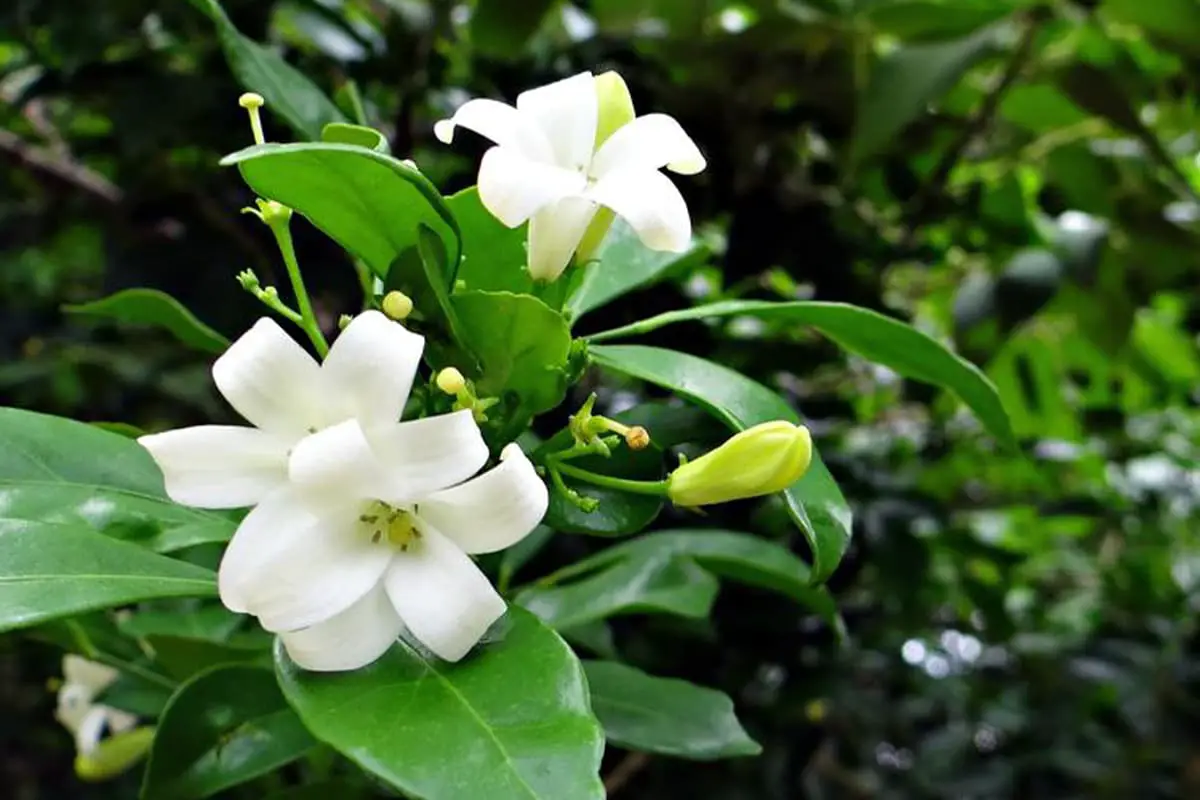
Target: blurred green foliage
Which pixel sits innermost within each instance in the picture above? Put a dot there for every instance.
(1016, 176)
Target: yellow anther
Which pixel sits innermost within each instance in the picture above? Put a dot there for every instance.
(397, 305)
(451, 381)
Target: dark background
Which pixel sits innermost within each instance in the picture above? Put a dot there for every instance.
(1018, 178)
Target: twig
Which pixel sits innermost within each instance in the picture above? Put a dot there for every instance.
(936, 185)
(60, 167)
(624, 772)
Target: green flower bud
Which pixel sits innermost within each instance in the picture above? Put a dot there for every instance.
(615, 111)
(764, 459)
(451, 381)
(397, 305)
(114, 755)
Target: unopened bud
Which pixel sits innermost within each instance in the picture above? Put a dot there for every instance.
(343, 321)
(397, 305)
(761, 460)
(114, 755)
(637, 437)
(451, 381)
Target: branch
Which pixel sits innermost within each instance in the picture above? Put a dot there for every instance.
(624, 772)
(60, 166)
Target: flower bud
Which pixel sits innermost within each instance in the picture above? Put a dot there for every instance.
(615, 110)
(764, 459)
(397, 305)
(451, 381)
(637, 437)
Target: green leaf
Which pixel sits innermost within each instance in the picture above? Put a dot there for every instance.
(665, 716)
(116, 490)
(494, 255)
(369, 203)
(1174, 21)
(622, 265)
(510, 722)
(619, 513)
(152, 307)
(904, 83)
(259, 69)
(930, 20)
(425, 274)
(815, 502)
(667, 585)
(360, 135)
(500, 28)
(522, 345)
(871, 335)
(731, 555)
(222, 728)
(50, 570)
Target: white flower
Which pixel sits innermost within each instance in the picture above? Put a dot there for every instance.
(281, 390)
(77, 711)
(355, 552)
(546, 168)
(363, 524)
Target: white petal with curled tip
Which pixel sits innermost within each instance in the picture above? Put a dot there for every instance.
(554, 235)
(429, 454)
(293, 565)
(649, 202)
(370, 368)
(90, 729)
(501, 123)
(492, 511)
(566, 111)
(445, 602)
(513, 188)
(650, 142)
(219, 466)
(271, 381)
(350, 640)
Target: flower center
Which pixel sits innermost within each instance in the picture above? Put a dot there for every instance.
(385, 523)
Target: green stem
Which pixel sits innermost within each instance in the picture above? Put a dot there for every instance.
(308, 320)
(655, 488)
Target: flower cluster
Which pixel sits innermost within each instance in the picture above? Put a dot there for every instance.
(363, 525)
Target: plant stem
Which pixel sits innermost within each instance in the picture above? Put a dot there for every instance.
(655, 488)
(308, 320)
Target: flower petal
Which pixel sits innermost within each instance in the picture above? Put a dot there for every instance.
(271, 381)
(219, 466)
(493, 511)
(89, 675)
(501, 123)
(371, 366)
(650, 142)
(349, 640)
(566, 111)
(90, 729)
(650, 203)
(294, 564)
(513, 188)
(445, 602)
(426, 455)
(554, 235)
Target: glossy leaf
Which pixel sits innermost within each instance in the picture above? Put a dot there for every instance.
(260, 69)
(369, 203)
(815, 502)
(664, 715)
(152, 307)
(522, 345)
(50, 570)
(509, 722)
(116, 490)
(905, 82)
(360, 135)
(424, 273)
(622, 265)
(222, 728)
(871, 335)
(667, 585)
(494, 255)
(1174, 21)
